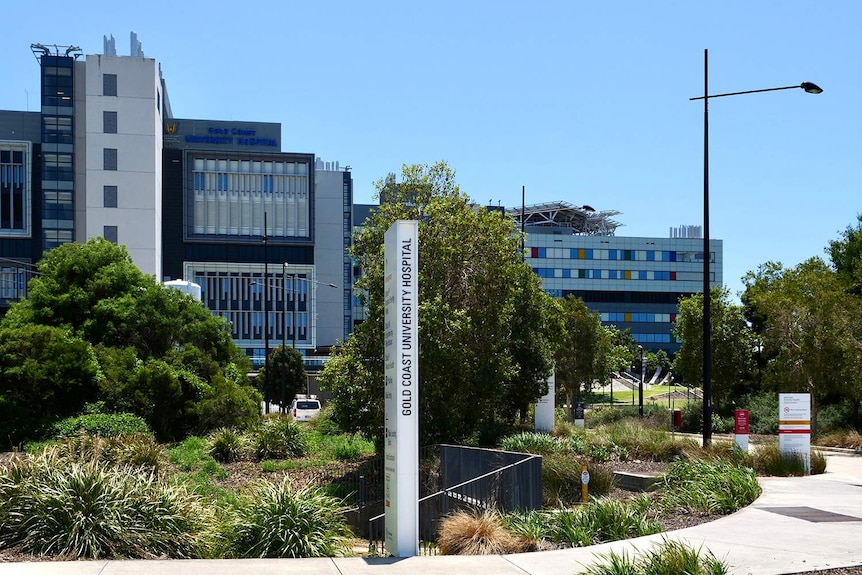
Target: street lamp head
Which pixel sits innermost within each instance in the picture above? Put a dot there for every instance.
(811, 88)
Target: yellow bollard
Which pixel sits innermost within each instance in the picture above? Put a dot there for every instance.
(585, 481)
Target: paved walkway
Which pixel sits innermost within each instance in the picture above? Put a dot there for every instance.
(797, 524)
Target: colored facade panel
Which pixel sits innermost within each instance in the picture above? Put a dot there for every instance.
(635, 283)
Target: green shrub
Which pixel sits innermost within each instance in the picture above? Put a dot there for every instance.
(280, 521)
(563, 428)
(599, 452)
(763, 414)
(227, 404)
(86, 510)
(692, 417)
(606, 415)
(601, 521)
(846, 438)
(325, 423)
(188, 454)
(712, 486)
(669, 558)
(226, 444)
(642, 442)
(351, 448)
(577, 443)
(767, 459)
(140, 450)
(278, 437)
(531, 442)
(818, 462)
(834, 417)
(101, 424)
(722, 424)
(531, 526)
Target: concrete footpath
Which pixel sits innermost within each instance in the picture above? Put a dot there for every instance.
(797, 524)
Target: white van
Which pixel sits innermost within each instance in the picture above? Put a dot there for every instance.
(304, 407)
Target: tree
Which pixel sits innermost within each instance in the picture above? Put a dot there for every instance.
(581, 357)
(811, 331)
(136, 345)
(846, 257)
(287, 375)
(45, 373)
(482, 350)
(732, 346)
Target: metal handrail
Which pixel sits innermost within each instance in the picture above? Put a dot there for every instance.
(448, 491)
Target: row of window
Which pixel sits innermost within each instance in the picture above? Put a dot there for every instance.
(631, 317)
(11, 176)
(251, 324)
(653, 337)
(625, 255)
(250, 166)
(242, 215)
(250, 183)
(616, 274)
(236, 288)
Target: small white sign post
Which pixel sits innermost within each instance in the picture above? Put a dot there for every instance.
(401, 388)
(794, 426)
(544, 413)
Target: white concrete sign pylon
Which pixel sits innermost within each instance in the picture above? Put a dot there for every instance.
(544, 412)
(401, 388)
(794, 426)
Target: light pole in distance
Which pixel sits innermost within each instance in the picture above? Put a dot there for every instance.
(808, 87)
(641, 383)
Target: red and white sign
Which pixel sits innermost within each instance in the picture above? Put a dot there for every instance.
(740, 422)
(740, 429)
(794, 425)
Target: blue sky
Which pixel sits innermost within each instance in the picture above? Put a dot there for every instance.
(584, 102)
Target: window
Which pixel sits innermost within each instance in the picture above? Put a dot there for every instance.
(110, 234)
(109, 85)
(110, 197)
(110, 159)
(109, 121)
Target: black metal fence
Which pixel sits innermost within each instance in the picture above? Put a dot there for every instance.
(467, 478)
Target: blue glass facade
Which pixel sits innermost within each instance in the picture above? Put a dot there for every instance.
(58, 150)
(633, 283)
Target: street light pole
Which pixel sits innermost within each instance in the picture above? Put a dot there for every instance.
(641, 384)
(265, 317)
(283, 335)
(808, 87)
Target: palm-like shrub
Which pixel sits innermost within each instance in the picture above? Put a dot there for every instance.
(278, 437)
(767, 459)
(226, 444)
(530, 526)
(708, 485)
(531, 442)
(283, 521)
(600, 521)
(136, 450)
(475, 533)
(640, 442)
(848, 438)
(86, 510)
(669, 558)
